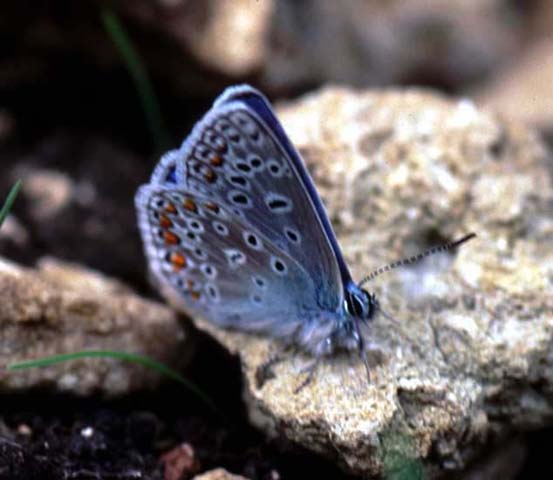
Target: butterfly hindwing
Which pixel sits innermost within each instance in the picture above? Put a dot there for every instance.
(213, 263)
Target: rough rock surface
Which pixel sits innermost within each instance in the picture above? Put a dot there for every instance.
(472, 356)
(61, 308)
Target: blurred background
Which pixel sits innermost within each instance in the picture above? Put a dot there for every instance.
(92, 91)
(60, 66)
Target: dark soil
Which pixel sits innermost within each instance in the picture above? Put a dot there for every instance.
(47, 437)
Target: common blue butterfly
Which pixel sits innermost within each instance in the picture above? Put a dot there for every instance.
(235, 232)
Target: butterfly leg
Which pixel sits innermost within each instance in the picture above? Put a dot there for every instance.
(265, 371)
(309, 370)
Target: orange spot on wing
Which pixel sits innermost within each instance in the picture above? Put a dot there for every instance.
(190, 205)
(178, 260)
(170, 208)
(209, 175)
(195, 295)
(170, 238)
(164, 221)
(212, 206)
(216, 160)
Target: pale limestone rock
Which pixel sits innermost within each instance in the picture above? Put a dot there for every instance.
(63, 308)
(473, 354)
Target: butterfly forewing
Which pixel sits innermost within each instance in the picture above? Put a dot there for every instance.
(234, 156)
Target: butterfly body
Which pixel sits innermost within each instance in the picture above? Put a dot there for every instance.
(235, 232)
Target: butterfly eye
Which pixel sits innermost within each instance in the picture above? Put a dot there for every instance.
(357, 303)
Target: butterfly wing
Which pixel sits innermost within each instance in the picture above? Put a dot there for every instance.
(280, 263)
(259, 107)
(212, 263)
(240, 154)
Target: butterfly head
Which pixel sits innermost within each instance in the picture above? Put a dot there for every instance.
(359, 307)
(360, 304)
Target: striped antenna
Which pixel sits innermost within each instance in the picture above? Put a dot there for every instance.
(417, 258)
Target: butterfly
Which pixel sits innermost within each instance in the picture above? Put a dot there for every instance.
(235, 232)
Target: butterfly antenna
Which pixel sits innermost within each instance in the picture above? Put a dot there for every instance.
(416, 258)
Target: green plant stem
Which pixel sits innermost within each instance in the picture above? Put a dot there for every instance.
(9, 201)
(131, 357)
(140, 77)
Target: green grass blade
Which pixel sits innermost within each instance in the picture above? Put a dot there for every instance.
(131, 357)
(9, 201)
(140, 77)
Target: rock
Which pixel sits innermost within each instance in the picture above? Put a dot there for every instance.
(522, 91)
(228, 36)
(63, 308)
(470, 356)
(219, 474)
